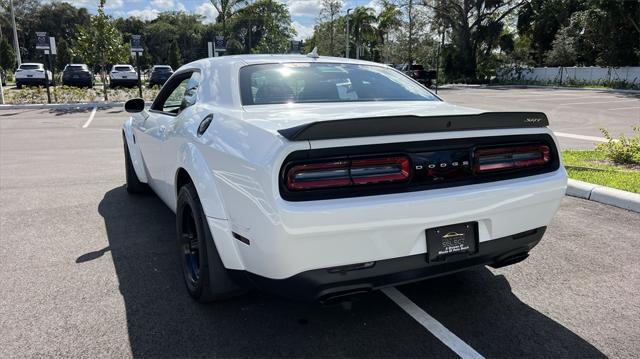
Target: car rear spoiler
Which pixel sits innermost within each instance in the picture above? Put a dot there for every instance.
(401, 125)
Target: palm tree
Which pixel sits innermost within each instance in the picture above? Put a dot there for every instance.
(226, 9)
(363, 28)
(389, 19)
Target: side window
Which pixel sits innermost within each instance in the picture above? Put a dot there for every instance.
(174, 100)
(191, 92)
(179, 94)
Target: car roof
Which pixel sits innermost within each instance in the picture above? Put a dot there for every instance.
(31, 63)
(266, 59)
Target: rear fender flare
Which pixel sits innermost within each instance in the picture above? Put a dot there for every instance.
(193, 161)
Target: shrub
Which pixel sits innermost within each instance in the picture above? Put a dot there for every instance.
(622, 150)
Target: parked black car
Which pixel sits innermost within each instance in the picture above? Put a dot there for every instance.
(77, 75)
(418, 73)
(159, 75)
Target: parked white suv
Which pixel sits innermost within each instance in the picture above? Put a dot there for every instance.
(32, 74)
(123, 75)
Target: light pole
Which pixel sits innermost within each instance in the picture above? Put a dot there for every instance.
(15, 34)
(346, 54)
(442, 29)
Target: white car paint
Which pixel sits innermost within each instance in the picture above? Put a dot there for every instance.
(118, 73)
(235, 166)
(25, 72)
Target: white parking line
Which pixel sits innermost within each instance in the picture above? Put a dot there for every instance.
(623, 108)
(438, 330)
(581, 137)
(93, 114)
(595, 102)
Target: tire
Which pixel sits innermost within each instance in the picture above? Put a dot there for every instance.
(18, 85)
(204, 274)
(133, 184)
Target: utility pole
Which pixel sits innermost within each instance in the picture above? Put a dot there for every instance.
(15, 34)
(346, 54)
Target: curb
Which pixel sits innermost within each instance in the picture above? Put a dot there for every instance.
(65, 106)
(544, 87)
(602, 194)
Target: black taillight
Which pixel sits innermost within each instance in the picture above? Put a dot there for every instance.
(345, 173)
(489, 160)
(319, 175)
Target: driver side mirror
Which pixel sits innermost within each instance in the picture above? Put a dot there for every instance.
(134, 105)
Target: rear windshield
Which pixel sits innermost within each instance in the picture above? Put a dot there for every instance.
(30, 67)
(75, 68)
(122, 68)
(162, 69)
(417, 67)
(325, 82)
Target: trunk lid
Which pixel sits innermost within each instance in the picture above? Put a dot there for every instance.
(277, 117)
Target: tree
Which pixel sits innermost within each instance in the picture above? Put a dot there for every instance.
(264, 25)
(7, 55)
(563, 52)
(22, 9)
(409, 9)
(329, 14)
(540, 20)
(607, 34)
(175, 60)
(388, 20)
(160, 38)
(362, 26)
(322, 40)
(226, 9)
(101, 43)
(475, 27)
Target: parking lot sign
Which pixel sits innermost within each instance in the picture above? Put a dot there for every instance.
(42, 41)
(52, 43)
(136, 43)
(220, 44)
(296, 46)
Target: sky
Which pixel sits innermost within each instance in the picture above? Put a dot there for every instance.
(303, 12)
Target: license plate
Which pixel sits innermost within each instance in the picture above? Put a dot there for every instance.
(124, 77)
(29, 75)
(76, 76)
(458, 240)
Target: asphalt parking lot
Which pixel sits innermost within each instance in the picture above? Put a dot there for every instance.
(89, 271)
(575, 115)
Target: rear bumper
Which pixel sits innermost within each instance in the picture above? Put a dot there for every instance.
(123, 82)
(289, 238)
(31, 81)
(330, 284)
(77, 82)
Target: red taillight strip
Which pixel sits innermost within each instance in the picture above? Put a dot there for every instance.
(347, 173)
(510, 158)
(399, 174)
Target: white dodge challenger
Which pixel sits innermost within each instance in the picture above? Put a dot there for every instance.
(319, 178)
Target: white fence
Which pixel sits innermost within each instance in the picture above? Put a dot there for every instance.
(585, 75)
